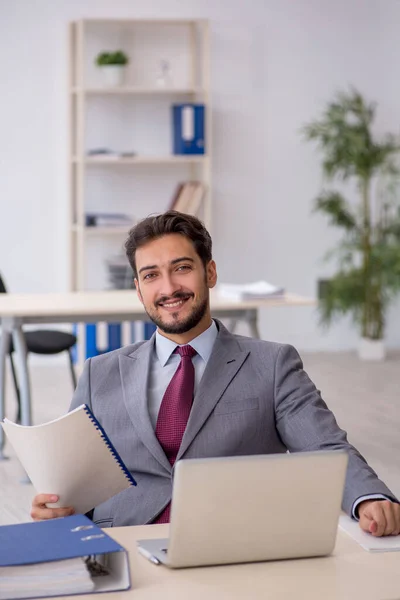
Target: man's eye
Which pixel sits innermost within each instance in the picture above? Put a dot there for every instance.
(183, 268)
(149, 276)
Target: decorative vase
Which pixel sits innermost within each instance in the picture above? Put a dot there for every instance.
(113, 75)
(371, 349)
(164, 79)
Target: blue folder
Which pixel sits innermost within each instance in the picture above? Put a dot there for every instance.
(188, 121)
(60, 539)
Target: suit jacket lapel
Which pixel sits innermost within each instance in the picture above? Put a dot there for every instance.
(226, 359)
(134, 370)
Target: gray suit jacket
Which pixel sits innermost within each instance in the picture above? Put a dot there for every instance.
(254, 398)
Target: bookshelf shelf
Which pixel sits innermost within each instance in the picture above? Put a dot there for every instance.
(125, 90)
(142, 160)
(135, 115)
(99, 231)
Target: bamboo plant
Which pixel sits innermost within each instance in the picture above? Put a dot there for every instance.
(368, 256)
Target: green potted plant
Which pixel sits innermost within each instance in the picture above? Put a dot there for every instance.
(367, 258)
(112, 65)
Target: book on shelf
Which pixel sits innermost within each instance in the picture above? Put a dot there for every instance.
(109, 154)
(188, 197)
(188, 128)
(175, 197)
(108, 220)
(259, 290)
(197, 198)
(60, 557)
(82, 475)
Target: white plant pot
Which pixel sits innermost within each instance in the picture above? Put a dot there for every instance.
(371, 349)
(113, 75)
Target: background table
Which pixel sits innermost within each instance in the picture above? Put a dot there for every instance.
(350, 573)
(88, 307)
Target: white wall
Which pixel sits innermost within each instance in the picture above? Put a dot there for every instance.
(275, 63)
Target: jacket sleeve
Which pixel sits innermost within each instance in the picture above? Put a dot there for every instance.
(305, 423)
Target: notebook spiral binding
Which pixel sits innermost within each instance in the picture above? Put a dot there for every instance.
(109, 445)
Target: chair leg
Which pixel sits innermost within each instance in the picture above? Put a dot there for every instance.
(17, 392)
(71, 364)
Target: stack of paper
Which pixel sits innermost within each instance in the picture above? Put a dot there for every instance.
(108, 220)
(366, 540)
(250, 291)
(120, 274)
(69, 576)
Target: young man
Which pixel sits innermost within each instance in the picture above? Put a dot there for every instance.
(195, 390)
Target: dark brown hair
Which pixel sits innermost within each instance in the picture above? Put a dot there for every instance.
(171, 221)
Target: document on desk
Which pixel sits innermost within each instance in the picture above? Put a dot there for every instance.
(71, 457)
(366, 540)
(259, 290)
(60, 557)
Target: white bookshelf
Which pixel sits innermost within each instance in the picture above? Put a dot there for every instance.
(132, 118)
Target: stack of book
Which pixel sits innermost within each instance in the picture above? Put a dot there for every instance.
(110, 154)
(188, 197)
(108, 220)
(120, 275)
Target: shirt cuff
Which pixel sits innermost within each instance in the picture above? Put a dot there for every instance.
(354, 512)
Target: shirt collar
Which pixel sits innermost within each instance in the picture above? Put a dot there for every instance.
(203, 344)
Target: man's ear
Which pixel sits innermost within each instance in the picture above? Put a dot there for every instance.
(211, 271)
(138, 290)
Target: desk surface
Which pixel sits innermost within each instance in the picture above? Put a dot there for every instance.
(350, 573)
(121, 302)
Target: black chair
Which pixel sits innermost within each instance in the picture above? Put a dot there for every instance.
(42, 341)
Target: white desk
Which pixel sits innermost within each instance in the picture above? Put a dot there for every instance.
(88, 307)
(350, 573)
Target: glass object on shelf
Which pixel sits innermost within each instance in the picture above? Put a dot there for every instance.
(164, 77)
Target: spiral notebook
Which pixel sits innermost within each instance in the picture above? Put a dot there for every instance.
(71, 457)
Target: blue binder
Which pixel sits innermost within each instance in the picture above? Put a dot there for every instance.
(188, 122)
(60, 539)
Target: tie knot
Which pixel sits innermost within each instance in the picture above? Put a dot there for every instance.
(186, 351)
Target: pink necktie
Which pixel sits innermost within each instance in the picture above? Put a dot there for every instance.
(174, 412)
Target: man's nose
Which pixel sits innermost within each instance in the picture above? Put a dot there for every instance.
(169, 286)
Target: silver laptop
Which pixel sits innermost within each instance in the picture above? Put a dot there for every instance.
(252, 508)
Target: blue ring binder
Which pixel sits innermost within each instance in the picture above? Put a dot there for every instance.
(110, 446)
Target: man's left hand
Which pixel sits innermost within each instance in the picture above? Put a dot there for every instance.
(379, 517)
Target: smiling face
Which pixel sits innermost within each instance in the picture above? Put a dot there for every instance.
(173, 286)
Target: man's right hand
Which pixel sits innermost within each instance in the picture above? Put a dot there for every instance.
(40, 511)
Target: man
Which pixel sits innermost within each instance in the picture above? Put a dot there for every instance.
(195, 390)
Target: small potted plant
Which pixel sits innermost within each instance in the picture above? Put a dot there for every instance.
(112, 65)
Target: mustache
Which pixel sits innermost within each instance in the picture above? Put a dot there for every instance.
(175, 296)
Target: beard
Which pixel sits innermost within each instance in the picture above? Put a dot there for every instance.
(179, 327)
